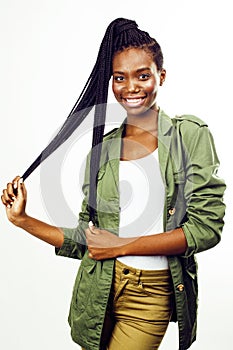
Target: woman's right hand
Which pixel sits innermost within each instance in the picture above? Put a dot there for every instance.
(14, 198)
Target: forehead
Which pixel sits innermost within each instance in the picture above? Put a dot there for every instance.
(132, 57)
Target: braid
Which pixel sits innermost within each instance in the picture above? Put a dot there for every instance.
(120, 34)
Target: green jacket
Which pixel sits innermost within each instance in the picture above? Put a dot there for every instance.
(194, 201)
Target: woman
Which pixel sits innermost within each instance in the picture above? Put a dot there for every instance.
(136, 274)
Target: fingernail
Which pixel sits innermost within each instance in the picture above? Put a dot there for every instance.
(90, 224)
(8, 206)
(15, 185)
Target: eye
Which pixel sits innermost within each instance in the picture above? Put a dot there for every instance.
(144, 76)
(118, 78)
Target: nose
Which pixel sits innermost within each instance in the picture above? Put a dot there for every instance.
(132, 86)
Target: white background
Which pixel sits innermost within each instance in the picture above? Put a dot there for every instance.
(47, 51)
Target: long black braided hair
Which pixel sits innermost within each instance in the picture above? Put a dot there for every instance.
(120, 34)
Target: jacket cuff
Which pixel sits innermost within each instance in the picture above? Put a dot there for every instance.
(71, 249)
(66, 249)
(191, 246)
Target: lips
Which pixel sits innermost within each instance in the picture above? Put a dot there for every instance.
(133, 102)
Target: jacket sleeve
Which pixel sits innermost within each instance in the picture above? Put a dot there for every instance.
(74, 245)
(203, 190)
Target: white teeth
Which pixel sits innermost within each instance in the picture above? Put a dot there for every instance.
(133, 100)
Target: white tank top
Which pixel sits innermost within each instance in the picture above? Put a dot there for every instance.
(142, 194)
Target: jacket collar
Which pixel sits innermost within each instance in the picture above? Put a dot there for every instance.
(164, 123)
(164, 140)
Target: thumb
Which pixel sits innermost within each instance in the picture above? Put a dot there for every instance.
(92, 227)
(20, 188)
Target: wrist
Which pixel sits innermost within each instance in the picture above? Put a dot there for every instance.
(123, 248)
(19, 221)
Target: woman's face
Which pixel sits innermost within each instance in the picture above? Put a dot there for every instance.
(136, 80)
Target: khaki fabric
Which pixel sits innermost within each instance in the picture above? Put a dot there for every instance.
(139, 308)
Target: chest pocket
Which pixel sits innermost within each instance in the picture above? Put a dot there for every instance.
(107, 187)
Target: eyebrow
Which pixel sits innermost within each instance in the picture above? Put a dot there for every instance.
(138, 70)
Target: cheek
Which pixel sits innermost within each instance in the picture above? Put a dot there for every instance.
(151, 87)
(116, 90)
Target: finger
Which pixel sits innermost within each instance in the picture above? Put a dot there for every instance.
(93, 229)
(20, 187)
(6, 198)
(15, 180)
(15, 184)
(7, 204)
(10, 190)
(23, 188)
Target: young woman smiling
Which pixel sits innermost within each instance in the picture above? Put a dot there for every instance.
(137, 244)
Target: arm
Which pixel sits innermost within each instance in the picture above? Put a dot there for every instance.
(15, 209)
(105, 245)
(204, 191)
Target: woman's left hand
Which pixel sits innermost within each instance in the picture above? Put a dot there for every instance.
(102, 244)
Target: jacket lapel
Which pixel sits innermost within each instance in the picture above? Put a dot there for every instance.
(164, 141)
(114, 153)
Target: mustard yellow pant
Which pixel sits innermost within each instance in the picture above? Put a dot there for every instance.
(139, 309)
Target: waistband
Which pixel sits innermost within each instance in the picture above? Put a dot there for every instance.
(131, 272)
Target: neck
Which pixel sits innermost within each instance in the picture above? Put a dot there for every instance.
(137, 124)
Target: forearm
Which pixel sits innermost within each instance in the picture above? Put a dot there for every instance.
(105, 245)
(41, 230)
(167, 243)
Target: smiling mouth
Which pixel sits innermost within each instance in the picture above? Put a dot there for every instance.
(133, 102)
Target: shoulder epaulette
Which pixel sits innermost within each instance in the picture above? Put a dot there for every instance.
(191, 118)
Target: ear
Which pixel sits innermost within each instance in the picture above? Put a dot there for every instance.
(162, 76)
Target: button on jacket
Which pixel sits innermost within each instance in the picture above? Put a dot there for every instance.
(194, 201)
